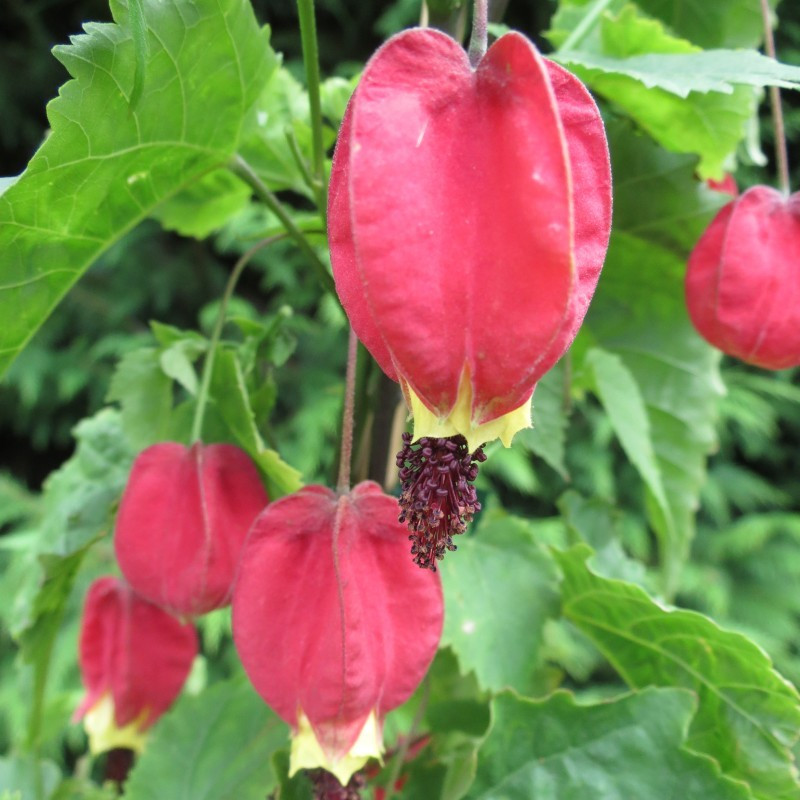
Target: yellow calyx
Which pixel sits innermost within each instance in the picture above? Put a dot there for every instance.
(104, 733)
(459, 420)
(307, 753)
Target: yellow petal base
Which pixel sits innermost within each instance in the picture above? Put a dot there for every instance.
(459, 420)
(104, 733)
(307, 753)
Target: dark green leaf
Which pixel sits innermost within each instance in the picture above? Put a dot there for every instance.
(632, 747)
(748, 717)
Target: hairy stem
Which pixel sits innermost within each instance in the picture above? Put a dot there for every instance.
(480, 37)
(216, 334)
(781, 156)
(241, 168)
(346, 456)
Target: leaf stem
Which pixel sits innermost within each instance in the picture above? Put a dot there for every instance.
(781, 155)
(308, 37)
(480, 36)
(346, 456)
(240, 167)
(402, 750)
(216, 334)
(585, 26)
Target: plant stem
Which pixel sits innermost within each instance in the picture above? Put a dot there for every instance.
(308, 36)
(216, 334)
(346, 456)
(480, 37)
(585, 25)
(781, 156)
(241, 168)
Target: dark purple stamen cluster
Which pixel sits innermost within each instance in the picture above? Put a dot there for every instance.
(438, 498)
(327, 787)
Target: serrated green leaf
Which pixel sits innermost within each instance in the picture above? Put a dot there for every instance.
(499, 590)
(547, 437)
(176, 363)
(104, 167)
(215, 746)
(631, 747)
(639, 313)
(144, 392)
(748, 717)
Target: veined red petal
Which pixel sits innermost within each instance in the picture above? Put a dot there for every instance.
(134, 650)
(182, 522)
(460, 217)
(330, 617)
(743, 281)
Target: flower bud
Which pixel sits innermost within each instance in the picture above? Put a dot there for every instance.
(182, 522)
(333, 623)
(743, 281)
(469, 215)
(134, 659)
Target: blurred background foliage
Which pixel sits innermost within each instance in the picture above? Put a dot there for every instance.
(745, 561)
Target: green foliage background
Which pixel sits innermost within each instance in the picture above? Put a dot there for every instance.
(671, 470)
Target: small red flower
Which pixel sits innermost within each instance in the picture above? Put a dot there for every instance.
(182, 522)
(134, 659)
(743, 279)
(334, 626)
(469, 216)
(726, 186)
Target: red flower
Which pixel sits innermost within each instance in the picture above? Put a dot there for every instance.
(726, 186)
(469, 217)
(182, 522)
(743, 280)
(134, 659)
(334, 626)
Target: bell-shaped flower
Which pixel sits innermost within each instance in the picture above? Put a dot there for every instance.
(469, 215)
(182, 521)
(134, 658)
(743, 279)
(334, 625)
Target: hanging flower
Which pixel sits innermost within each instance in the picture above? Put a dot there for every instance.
(334, 626)
(182, 522)
(743, 283)
(469, 215)
(134, 659)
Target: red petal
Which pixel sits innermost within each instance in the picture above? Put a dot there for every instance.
(182, 522)
(743, 284)
(329, 614)
(133, 649)
(460, 216)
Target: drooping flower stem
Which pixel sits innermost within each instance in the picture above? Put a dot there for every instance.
(208, 366)
(308, 36)
(346, 455)
(781, 156)
(480, 36)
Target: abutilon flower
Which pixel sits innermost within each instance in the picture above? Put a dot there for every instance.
(333, 625)
(743, 280)
(469, 215)
(182, 521)
(134, 659)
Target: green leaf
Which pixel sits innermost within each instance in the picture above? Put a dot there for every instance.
(144, 391)
(632, 747)
(639, 313)
(204, 206)
(499, 590)
(20, 775)
(657, 195)
(231, 399)
(680, 74)
(547, 437)
(748, 716)
(140, 48)
(104, 167)
(215, 746)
